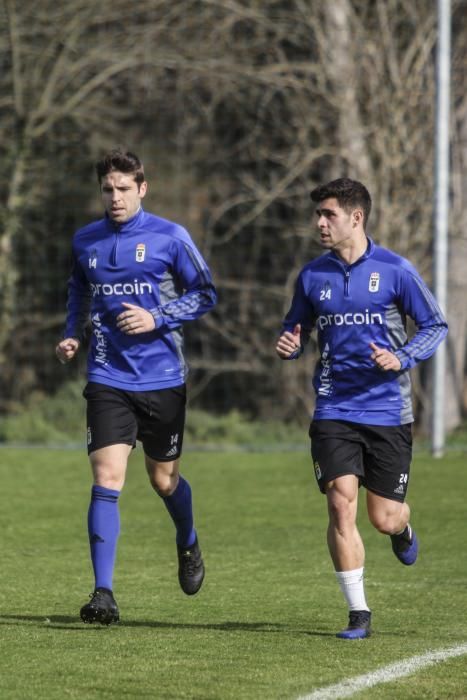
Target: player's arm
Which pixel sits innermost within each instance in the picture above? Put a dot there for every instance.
(385, 359)
(67, 349)
(198, 295)
(418, 302)
(135, 319)
(289, 344)
(297, 325)
(78, 308)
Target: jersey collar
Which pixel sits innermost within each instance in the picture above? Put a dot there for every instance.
(367, 254)
(127, 226)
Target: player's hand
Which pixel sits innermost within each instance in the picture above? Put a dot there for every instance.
(135, 320)
(289, 342)
(67, 349)
(385, 359)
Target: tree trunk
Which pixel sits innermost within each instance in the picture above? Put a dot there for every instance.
(343, 72)
(455, 405)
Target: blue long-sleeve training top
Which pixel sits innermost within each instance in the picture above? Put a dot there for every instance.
(147, 261)
(352, 306)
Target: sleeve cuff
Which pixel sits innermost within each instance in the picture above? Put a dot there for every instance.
(157, 316)
(403, 359)
(295, 355)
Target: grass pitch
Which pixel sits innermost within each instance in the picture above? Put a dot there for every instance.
(262, 626)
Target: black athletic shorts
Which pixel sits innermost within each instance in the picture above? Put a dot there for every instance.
(156, 418)
(379, 455)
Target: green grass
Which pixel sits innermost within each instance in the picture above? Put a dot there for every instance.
(263, 625)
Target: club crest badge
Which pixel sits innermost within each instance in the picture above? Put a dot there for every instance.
(140, 252)
(318, 473)
(374, 282)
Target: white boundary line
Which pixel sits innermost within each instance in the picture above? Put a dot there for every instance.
(386, 674)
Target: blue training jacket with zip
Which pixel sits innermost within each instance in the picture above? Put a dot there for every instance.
(352, 306)
(147, 261)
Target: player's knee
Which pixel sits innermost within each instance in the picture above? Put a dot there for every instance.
(379, 523)
(341, 512)
(108, 478)
(164, 491)
(385, 522)
(163, 484)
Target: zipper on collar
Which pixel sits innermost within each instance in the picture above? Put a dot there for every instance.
(114, 255)
(346, 272)
(346, 282)
(346, 268)
(127, 227)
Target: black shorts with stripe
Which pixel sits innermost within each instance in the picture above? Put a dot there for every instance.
(380, 456)
(156, 418)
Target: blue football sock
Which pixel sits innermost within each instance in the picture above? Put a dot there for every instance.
(103, 529)
(179, 505)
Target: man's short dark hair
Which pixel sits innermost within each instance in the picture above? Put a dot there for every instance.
(123, 161)
(350, 194)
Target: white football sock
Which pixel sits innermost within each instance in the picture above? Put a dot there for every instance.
(351, 585)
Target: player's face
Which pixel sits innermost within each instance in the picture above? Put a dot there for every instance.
(121, 195)
(336, 227)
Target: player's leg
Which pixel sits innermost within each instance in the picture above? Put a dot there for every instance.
(111, 435)
(109, 468)
(344, 541)
(161, 428)
(347, 553)
(337, 460)
(387, 472)
(386, 515)
(176, 494)
(392, 518)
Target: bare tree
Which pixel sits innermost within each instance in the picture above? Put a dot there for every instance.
(66, 69)
(300, 93)
(243, 106)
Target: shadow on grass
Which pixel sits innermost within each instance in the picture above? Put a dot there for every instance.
(68, 622)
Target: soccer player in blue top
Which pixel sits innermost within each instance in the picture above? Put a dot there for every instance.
(358, 296)
(137, 278)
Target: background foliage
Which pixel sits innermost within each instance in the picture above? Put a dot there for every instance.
(238, 109)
